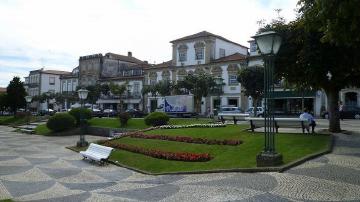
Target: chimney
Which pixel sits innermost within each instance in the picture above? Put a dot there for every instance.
(130, 54)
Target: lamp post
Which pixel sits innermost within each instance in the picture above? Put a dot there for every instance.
(28, 101)
(269, 44)
(82, 95)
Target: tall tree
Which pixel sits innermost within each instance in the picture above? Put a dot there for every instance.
(252, 79)
(118, 90)
(305, 60)
(200, 85)
(94, 93)
(164, 88)
(3, 102)
(16, 94)
(338, 20)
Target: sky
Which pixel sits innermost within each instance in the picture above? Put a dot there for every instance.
(53, 34)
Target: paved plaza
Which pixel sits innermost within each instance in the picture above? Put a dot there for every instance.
(38, 168)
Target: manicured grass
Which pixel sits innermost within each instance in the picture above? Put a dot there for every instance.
(139, 123)
(42, 130)
(11, 120)
(291, 146)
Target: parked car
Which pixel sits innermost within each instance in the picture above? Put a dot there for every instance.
(109, 112)
(259, 111)
(47, 112)
(228, 110)
(349, 112)
(135, 113)
(97, 113)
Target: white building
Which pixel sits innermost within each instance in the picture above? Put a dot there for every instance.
(43, 81)
(203, 52)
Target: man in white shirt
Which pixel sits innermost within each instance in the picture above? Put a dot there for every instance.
(307, 116)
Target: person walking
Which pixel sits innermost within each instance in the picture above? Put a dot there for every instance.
(307, 116)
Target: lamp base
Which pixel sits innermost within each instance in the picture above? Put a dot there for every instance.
(82, 144)
(266, 159)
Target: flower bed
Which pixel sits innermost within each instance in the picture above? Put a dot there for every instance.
(211, 125)
(177, 156)
(185, 139)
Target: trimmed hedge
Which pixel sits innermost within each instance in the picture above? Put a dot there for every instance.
(86, 113)
(156, 119)
(61, 122)
(124, 118)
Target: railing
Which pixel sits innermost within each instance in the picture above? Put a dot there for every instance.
(115, 97)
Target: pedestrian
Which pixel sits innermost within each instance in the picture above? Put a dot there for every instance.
(311, 121)
(341, 109)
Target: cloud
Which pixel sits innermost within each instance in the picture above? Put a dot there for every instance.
(55, 33)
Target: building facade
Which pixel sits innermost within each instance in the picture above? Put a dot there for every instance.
(203, 52)
(117, 69)
(43, 81)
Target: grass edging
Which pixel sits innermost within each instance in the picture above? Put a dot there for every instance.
(245, 170)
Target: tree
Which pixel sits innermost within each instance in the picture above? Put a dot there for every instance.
(305, 60)
(338, 20)
(94, 93)
(252, 79)
(16, 94)
(118, 90)
(164, 88)
(199, 85)
(3, 102)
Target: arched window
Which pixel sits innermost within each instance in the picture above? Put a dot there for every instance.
(216, 71)
(199, 50)
(182, 52)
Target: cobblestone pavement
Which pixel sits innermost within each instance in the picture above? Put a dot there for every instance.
(37, 168)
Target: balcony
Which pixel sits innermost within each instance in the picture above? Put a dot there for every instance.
(122, 97)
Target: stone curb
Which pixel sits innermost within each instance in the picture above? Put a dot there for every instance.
(244, 170)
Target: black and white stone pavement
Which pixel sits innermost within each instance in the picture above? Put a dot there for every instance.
(38, 168)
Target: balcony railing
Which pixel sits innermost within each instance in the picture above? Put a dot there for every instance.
(125, 96)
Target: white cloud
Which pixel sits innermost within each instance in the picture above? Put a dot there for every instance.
(55, 33)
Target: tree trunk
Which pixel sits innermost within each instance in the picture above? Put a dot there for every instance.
(333, 109)
(255, 100)
(197, 105)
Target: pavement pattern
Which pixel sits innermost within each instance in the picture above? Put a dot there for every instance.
(38, 168)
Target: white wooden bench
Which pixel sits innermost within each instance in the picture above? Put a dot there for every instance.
(97, 153)
(256, 122)
(232, 116)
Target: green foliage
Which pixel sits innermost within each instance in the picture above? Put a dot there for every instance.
(124, 118)
(252, 79)
(80, 112)
(16, 94)
(200, 85)
(338, 20)
(156, 119)
(61, 122)
(94, 93)
(3, 102)
(117, 89)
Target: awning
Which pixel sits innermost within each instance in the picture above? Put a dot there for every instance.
(294, 94)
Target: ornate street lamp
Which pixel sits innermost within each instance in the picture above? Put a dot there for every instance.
(269, 44)
(82, 95)
(28, 101)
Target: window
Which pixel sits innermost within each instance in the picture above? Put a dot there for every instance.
(253, 46)
(52, 80)
(152, 81)
(233, 80)
(199, 53)
(64, 86)
(182, 55)
(182, 52)
(69, 85)
(136, 88)
(221, 52)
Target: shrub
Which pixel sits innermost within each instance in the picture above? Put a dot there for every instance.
(21, 115)
(124, 117)
(86, 113)
(156, 119)
(60, 122)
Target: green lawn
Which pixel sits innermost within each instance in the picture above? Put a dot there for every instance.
(11, 120)
(292, 146)
(42, 130)
(139, 123)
